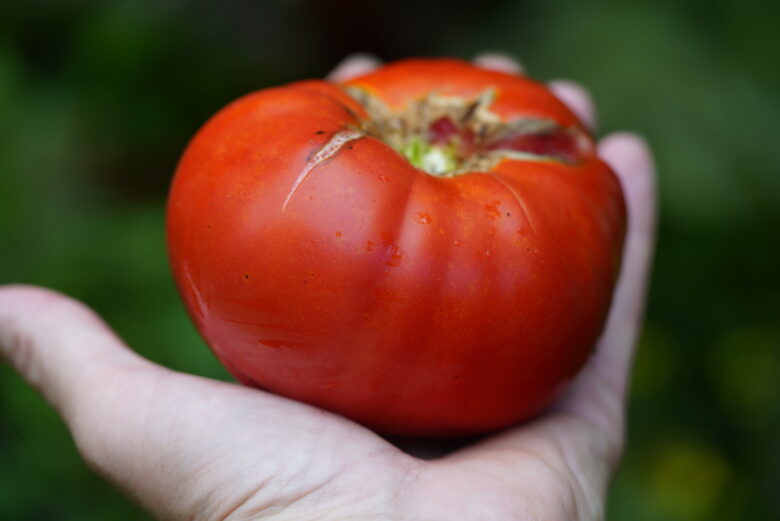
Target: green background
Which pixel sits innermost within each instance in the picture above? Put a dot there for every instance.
(98, 99)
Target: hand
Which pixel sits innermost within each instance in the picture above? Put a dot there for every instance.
(186, 447)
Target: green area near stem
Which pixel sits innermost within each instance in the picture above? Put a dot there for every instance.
(434, 159)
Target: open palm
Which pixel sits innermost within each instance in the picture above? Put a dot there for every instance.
(186, 447)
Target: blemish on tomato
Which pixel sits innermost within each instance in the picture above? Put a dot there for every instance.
(384, 179)
(369, 245)
(394, 254)
(316, 157)
(274, 344)
(423, 218)
(338, 234)
(492, 209)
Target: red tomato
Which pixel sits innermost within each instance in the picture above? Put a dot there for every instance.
(429, 249)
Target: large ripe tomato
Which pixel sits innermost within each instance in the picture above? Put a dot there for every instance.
(429, 249)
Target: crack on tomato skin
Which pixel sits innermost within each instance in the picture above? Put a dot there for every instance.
(327, 151)
(520, 201)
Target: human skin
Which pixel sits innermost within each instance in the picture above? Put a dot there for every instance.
(186, 447)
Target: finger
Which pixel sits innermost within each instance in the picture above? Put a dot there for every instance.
(496, 61)
(598, 393)
(583, 434)
(57, 344)
(183, 447)
(353, 66)
(632, 161)
(577, 99)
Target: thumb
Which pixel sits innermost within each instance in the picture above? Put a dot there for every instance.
(59, 345)
(183, 447)
(100, 388)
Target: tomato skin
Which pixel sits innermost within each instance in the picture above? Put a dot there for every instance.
(414, 304)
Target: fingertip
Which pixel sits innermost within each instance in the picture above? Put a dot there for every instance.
(630, 157)
(626, 152)
(577, 98)
(22, 301)
(498, 61)
(354, 65)
(9, 291)
(58, 344)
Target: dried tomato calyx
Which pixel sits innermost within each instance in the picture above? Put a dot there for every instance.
(449, 135)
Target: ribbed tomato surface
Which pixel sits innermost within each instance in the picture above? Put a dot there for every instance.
(352, 280)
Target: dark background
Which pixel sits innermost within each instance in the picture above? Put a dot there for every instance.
(98, 99)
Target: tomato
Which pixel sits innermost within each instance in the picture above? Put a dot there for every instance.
(429, 249)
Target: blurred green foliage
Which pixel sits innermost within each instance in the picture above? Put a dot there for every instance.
(97, 100)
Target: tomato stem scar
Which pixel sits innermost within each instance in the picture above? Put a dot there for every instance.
(447, 136)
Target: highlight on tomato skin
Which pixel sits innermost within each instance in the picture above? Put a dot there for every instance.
(429, 249)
